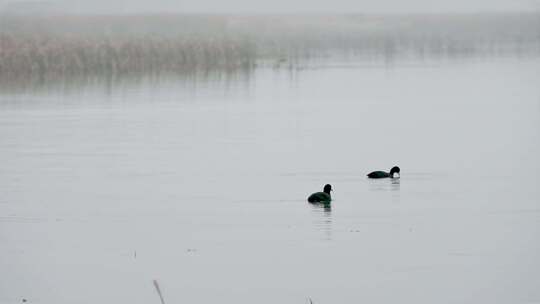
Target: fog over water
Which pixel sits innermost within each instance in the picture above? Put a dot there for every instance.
(182, 148)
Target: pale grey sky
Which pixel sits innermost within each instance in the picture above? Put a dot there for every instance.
(298, 6)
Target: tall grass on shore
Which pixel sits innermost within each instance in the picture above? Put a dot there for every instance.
(50, 46)
(62, 46)
(46, 55)
(396, 37)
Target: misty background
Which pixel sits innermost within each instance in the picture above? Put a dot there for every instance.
(277, 6)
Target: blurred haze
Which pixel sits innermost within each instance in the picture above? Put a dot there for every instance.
(282, 6)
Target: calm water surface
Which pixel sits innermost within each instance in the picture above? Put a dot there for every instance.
(201, 184)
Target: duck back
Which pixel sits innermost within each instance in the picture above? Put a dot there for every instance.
(378, 174)
(319, 197)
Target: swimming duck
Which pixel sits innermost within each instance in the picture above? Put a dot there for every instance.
(324, 196)
(382, 174)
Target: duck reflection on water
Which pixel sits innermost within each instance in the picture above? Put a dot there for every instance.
(322, 218)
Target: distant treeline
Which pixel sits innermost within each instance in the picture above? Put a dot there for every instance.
(64, 45)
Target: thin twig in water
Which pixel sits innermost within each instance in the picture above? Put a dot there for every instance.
(159, 291)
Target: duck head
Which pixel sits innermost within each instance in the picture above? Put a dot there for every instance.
(327, 188)
(394, 170)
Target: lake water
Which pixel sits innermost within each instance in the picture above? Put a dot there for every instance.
(201, 184)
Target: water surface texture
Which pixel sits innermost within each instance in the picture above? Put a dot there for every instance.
(201, 184)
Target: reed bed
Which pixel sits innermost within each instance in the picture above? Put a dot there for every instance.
(397, 37)
(59, 46)
(68, 55)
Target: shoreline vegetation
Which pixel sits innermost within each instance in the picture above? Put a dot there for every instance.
(60, 46)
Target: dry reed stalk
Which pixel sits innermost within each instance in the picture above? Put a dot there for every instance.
(159, 291)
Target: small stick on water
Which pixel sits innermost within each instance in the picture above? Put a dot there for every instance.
(159, 291)
(310, 302)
